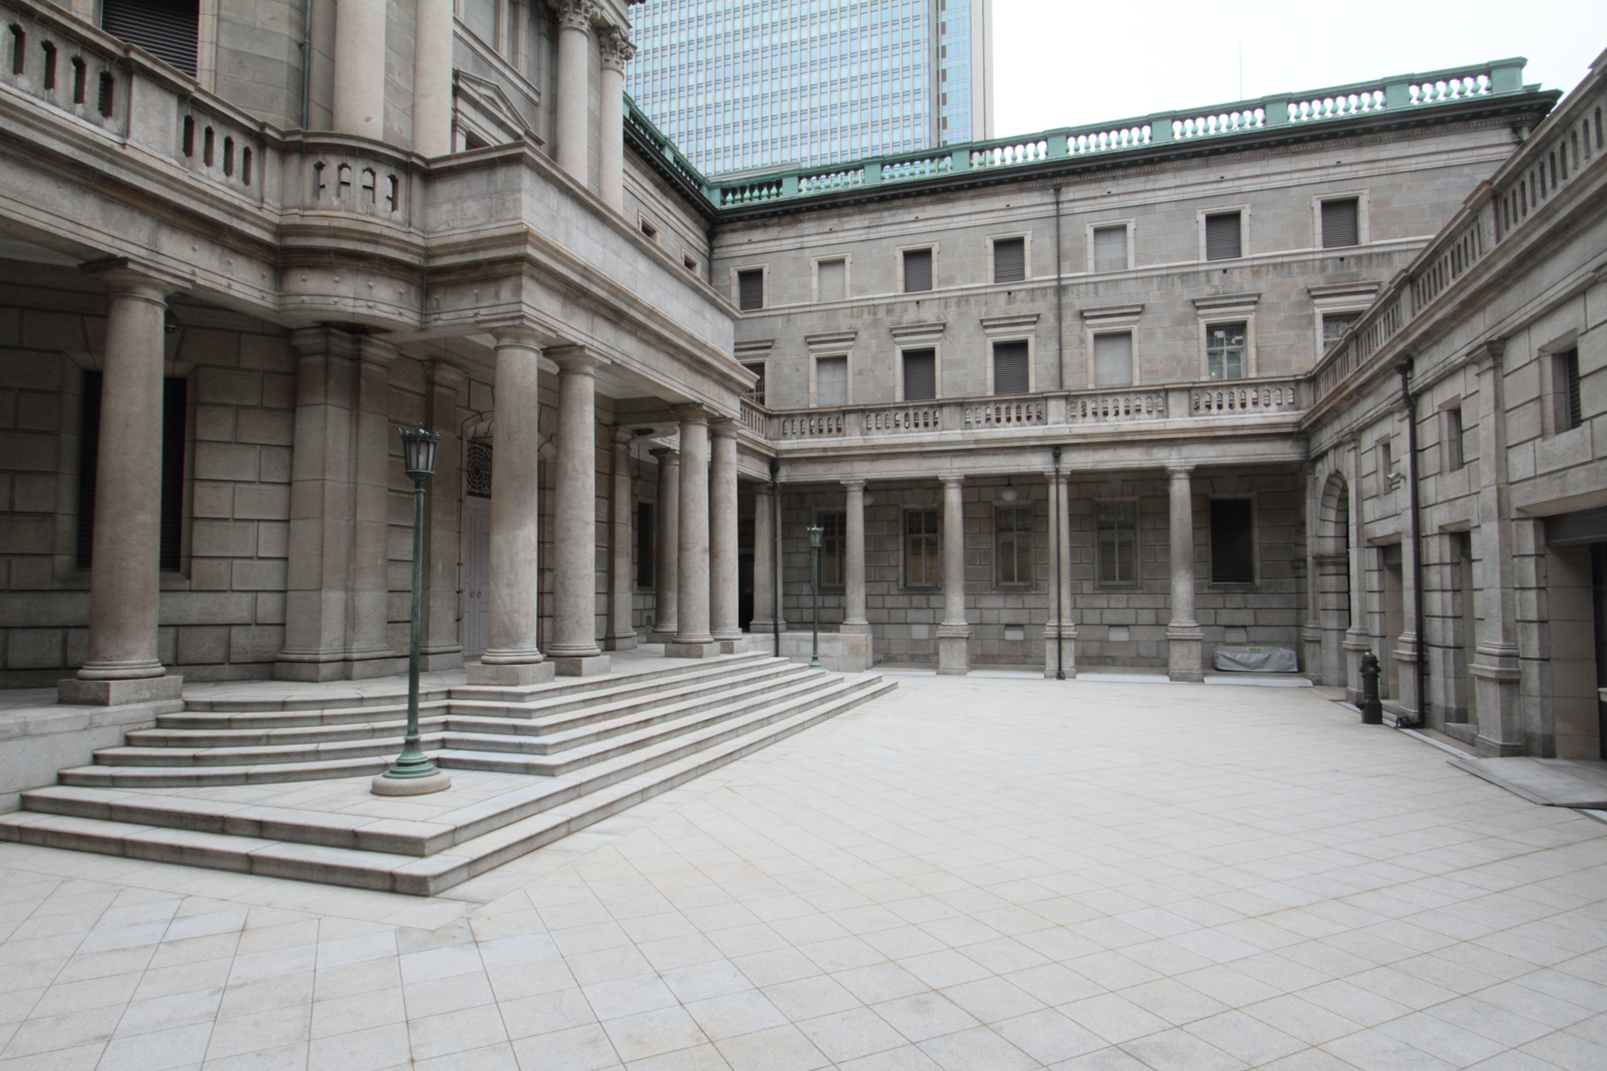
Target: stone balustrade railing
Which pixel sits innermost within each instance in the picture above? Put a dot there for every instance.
(1568, 143)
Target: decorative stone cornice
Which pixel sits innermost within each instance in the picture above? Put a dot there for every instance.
(1012, 324)
(1113, 314)
(831, 340)
(909, 333)
(1221, 302)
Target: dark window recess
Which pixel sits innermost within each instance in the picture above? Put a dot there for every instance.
(166, 29)
(49, 50)
(108, 89)
(920, 375)
(1009, 260)
(174, 398)
(756, 392)
(1341, 223)
(1010, 367)
(1232, 541)
(917, 270)
(1222, 236)
(19, 47)
(1455, 456)
(78, 80)
(750, 289)
(1565, 374)
(833, 538)
(644, 544)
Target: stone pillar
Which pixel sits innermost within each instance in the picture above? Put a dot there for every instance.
(1183, 635)
(1495, 666)
(1357, 641)
(617, 51)
(854, 619)
(573, 650)
(359, 104)
(764, 564)
(621, 582)
(1060, 634)
(368, 609)
(432, 78)
(513, 656)
(693, 638)
(574, 87)
(953, 632)
(1311, 631)
(124, 578)
(443, 648)
(666, 544)
(723, 536)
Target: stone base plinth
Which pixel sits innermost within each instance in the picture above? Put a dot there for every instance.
(953, 654)
(692, 650)
(319, 670)
(411, 786)
(592, 666)
(1185, 655)
(625, 641)
(119, 693)
(510, 675)
(662, 635)
(840, 652)
(432, 661)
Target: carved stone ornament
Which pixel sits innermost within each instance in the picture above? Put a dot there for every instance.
(617, 49)
(576, 14)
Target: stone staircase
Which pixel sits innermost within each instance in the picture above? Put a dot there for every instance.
(279, 786)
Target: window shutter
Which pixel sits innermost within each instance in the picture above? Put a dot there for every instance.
(1010, 367)
(831, 380)
(1113, 359)
(1340, 225)
(167, 29)
(173, 414)
(750, 289)
(920, 375)
(1110, 248)
(1222, 236)
(1009, 260)
(917, 270)
(1232, 542)
(833, 277)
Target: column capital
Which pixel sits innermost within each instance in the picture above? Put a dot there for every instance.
(691, 414)
(574, 358)
(623, 434)
(1488, 353)
(517, 335)
(722, 427)
(854, 485)
(576, 14)
(371, 350)
(617, 49)
(124, 277)
(1179, 470)
(666, 453)
(951, 481)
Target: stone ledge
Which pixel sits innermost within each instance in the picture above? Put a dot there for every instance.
(840, 652)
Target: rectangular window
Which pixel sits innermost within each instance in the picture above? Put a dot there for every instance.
(1222, 232)
(1010, 367)
(1341, 223)
(174, 399)
(756, 392)
(1455, 457)
(1224, 351)
(1386, 465)
(1565, 381)
(1117, 545)
(1110, 248)
(917, 270)
(649, 230)
(1334, 325)
(1113, 359)
(920, 375)
(644, 544)
(831, 380)
(832, 541)
(1232, 541)
(1013, 528)
(833, 279)
(1009, 260)
(750, 289)
(921, 565)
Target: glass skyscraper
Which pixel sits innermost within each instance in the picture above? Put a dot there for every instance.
(740, 85)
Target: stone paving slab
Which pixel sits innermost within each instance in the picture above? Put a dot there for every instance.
(964, 875)
(1552, 782)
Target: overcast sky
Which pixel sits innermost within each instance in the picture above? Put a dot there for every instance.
(1064, 64)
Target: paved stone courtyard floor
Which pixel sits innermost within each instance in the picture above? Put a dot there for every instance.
(974, 874)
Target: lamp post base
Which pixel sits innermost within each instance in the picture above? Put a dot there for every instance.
(411, 786)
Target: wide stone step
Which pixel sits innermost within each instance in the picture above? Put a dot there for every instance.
(392, 856)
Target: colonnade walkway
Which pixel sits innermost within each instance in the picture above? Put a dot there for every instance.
(965, 874)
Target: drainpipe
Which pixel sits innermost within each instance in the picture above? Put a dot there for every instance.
(775, 558)
(306, 67)
(1060, 325)
(1405, 370)
(1060, 605)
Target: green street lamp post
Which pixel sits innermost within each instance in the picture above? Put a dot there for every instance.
(815, 532)
(413, 774)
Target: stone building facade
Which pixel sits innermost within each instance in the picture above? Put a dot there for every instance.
(1112, 396)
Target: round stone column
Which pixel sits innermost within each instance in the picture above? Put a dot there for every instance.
(359, 91)
(693, 638)
(854, 619)
(723, 536)
(1060, 634)
(124, 578)
(622, 582)
(954, 632)
(1183, 635)
(432, 78)
(617, 52)
(513, 657)
(666, 552)
(764, 565)
(574, 649)
(574, 87)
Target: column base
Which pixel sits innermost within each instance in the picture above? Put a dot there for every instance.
(590, 666)
(119, 693)
(510, 674)
(321, 667)
(1185, 655)
(410, 786)
(953, 654)
(662, 635)
(1065, 648)
(692, 650)
(445, 658)
(622, 641)
(855, 628)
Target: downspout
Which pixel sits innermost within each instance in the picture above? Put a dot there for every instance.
(1405, 370)
(306, 67)
(775, 558)
(1060, 591)
(1060, 324)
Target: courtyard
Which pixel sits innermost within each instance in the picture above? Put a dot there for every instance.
(967, 873)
